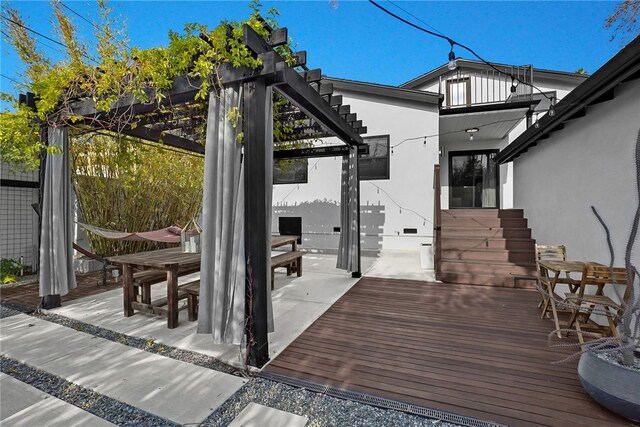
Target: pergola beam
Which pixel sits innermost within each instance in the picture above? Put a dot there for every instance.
(183, 90)
(329, 151)
(299, 92)
(165, 138)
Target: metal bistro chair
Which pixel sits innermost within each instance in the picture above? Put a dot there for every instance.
(584, 304)
(551, 253)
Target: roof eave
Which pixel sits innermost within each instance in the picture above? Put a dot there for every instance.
(623, 65)
(443, 69)
(385, 91)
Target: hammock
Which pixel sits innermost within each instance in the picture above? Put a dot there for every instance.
(166, 235)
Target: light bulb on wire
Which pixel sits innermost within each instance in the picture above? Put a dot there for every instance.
(453, 64)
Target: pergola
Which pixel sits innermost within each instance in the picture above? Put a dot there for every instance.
(178, 122)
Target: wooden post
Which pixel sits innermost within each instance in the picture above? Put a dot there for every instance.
(358, 274)
(172, 297)
(256, 227)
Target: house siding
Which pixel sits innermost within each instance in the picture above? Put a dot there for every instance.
(588, 163)
(410, 187)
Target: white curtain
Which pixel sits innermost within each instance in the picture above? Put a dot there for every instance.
(221, 310)
(488, 182)
(56, 239)
(349, 232)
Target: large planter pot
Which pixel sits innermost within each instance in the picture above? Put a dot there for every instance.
(614, 386)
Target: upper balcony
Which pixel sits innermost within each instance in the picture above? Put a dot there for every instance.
(482, 87)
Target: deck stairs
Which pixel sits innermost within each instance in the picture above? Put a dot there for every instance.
(491, 247)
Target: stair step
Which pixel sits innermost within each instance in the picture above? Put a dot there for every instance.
(488, 267)
(484, 222)
(485, 232)
(463, 242)
(483, 213)
(508, 281)
(483, 254)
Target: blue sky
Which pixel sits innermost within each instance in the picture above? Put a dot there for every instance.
(357, 41)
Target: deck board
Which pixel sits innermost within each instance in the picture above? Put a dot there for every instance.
(480, 352)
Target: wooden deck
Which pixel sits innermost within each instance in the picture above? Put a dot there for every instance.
(479, 352)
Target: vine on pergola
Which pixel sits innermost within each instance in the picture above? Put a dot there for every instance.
(122, 182)
(112, 70)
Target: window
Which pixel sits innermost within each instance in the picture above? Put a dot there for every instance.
(290, 171)
(459, 92)
(375, 165)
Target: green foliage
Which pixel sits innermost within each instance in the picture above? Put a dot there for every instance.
(624, 20)
(20, 144)
(9, 269)
(122, 184)
(111, 70)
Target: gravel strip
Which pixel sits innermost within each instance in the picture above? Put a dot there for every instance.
(149, 345)
(8, 310)
(112, 410)
(321, 410)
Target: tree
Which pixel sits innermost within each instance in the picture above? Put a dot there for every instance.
(624, 20)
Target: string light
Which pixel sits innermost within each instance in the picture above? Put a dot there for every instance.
(453, 43)
(400, 208)
(424, 137)
(452, 64)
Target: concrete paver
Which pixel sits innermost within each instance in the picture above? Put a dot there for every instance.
(165, 387)
(254, 415)
(25, 405)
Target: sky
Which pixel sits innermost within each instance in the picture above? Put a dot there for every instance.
(357, 41)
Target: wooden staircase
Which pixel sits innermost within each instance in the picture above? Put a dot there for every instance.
(490, 247)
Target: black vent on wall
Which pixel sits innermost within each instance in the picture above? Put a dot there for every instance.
(410, 231)
(336, 229)
(290, 225)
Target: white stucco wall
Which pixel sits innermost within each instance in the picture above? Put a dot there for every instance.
(588, 163)
(410, 185)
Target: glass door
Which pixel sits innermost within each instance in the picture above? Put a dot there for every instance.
(473, 179)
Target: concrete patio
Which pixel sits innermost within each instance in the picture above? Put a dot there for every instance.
(133, 376)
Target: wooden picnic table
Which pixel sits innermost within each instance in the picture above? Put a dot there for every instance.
(171, 261)
(281, 240)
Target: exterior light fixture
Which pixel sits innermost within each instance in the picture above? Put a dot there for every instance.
(471, 131)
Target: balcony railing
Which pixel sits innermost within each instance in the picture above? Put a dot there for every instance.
(466, 89)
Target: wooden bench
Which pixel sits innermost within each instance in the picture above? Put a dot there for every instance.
(159, 306)
(192, 289)
(142, 281)
(291, 260)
